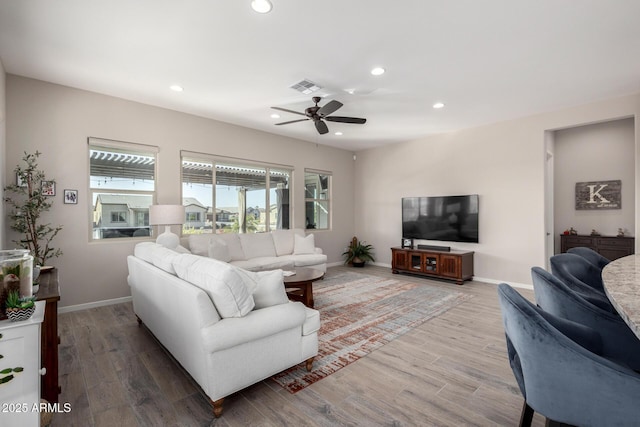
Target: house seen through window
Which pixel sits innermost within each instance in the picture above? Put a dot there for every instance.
(122, 187)
(223, 196)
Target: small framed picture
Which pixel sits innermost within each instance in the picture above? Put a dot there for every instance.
(71, 197)
(407, 243)
(48, 188)
(19, 181)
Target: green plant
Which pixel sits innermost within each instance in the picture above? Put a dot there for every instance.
(28, 203)
(358, 252)
(6, 378)
(15, 302)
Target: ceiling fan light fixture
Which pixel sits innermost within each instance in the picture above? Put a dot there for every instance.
(338, 133)
(378, 71)
(176, 88)
(275, 116)
(261, 6)
(438, 105)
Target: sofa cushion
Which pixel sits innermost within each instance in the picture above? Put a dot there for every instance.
(143, 251)
(257, 245)
(199, 244)
(267, 287)
(163, 257)
(221, 281)
(218, 249)
(265, 263)
(304, 245)
(283, 241)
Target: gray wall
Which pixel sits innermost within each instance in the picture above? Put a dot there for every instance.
(596, 152)
(57, 120)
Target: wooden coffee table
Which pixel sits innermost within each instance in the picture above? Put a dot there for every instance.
(299, 287)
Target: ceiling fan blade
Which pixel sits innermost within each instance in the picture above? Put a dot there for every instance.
(289, 111)
(329, 108)
(354, 120)
(291, 121)
(321, 127)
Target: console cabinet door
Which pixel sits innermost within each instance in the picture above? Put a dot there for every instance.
(450, 266)
(400, 260)
(430, 263)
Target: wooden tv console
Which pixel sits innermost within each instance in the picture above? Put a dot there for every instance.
(450, 265)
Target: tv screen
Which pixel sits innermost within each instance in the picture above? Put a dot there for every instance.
(445, 218)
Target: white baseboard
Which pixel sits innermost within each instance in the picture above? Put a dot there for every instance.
(78, 307)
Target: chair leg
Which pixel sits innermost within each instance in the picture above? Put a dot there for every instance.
(526, 416)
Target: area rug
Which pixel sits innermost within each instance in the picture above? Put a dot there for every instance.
(360, 313)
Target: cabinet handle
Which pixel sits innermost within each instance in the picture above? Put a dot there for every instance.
(43, 372)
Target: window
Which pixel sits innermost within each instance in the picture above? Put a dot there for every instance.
(317, 189)
(193, 216)
(247, 197)
(122, 186)
(118, 217)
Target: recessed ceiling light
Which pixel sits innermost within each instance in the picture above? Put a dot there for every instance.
(438, 105)
(261, 6)
(338, 133)
(378, 71)
(176, 88)
(275, 116)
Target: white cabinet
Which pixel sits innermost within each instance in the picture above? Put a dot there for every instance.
(20, 348)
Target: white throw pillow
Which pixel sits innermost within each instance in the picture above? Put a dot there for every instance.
(304, 245)
(266, 287)
(257, 245)
(218, 249)
(221, 281)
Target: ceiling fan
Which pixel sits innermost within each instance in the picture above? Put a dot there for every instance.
(318, 114)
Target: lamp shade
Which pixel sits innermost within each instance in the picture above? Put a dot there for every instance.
(166, 214)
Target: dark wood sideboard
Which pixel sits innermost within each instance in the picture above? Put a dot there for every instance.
(50, 293)
(451, 265)
(608, 246)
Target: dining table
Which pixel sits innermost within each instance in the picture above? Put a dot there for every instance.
(621, 280)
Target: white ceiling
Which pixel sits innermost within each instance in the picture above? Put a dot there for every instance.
(486, 60)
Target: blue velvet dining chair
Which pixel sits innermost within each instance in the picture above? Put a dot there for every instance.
(559, 369)
(554, 296)
(581, 276)
(590, 255)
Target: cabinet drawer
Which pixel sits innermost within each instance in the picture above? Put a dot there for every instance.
(578, 240)
(615, 243)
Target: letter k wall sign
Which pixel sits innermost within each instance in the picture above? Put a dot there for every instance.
(598, 195)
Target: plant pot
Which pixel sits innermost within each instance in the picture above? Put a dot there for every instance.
(358, 264)
(18, 314)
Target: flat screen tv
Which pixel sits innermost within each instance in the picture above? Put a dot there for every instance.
(445, 218)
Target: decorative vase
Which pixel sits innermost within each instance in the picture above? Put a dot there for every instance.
(18, 314)
(16, 273)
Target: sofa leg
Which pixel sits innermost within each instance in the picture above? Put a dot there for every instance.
(309, 364)
(139, 320)
(217, 407)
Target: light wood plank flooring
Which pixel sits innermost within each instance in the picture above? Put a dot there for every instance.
(450, 371)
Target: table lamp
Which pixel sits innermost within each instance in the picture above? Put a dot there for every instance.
(167, 215)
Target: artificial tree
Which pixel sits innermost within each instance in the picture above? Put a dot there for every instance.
(28, 203)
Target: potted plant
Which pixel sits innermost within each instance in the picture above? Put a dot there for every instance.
(358, 253)
(29, 199)
(19, 308)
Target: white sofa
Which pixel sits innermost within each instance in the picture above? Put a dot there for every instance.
(229, 328)
(284, 249)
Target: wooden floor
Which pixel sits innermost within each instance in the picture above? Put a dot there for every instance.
(451, 371)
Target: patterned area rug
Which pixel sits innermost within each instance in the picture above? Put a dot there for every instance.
(360, 313)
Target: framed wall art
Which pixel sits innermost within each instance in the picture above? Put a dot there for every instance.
(48, 188)
(71, 197)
